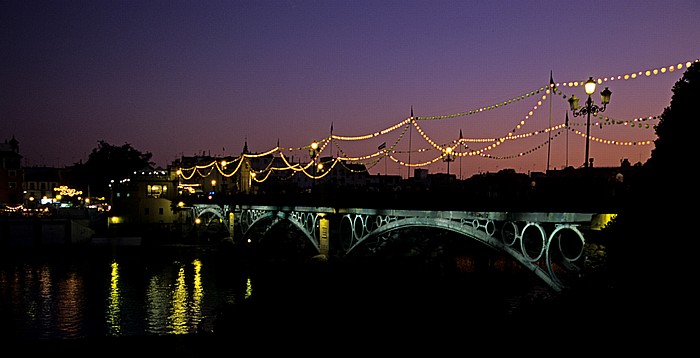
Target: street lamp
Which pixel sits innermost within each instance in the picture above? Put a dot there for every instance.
(313, 153)
(589, 109)
(448, 158)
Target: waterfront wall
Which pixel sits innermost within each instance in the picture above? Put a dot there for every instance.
(37, 232)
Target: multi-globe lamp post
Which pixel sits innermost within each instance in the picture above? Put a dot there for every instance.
(589, 109)
(313, 153)
(449, 158)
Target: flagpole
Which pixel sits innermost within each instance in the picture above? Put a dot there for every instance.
(567, 139)
(332, 142)
(460, 157)
(549, 131)
(409, 145)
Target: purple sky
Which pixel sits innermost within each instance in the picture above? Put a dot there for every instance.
(185, 77)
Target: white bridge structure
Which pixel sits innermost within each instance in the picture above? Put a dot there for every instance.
(551, 245)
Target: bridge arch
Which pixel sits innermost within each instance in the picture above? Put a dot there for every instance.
(472, 230)
(264, 220)
(207, 216)
(396, 224)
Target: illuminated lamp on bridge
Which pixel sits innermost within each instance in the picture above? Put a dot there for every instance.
(313, 153)
(589, 109)
(449, 158)
(213, 189)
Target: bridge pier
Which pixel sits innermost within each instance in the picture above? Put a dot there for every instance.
(324, 235)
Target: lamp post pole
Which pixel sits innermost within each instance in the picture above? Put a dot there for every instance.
(448, 158)
(589, 109)
(313, 153)
(589, 106)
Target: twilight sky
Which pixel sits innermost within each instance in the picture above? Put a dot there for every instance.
(190, 77)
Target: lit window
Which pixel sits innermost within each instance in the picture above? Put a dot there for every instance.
(155, 190)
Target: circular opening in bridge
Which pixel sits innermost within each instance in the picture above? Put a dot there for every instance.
(570, 243)
(533, 242)
(509, 233)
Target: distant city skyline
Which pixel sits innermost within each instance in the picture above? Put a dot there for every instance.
(189, 77)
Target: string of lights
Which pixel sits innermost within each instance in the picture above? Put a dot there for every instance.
(541, 94)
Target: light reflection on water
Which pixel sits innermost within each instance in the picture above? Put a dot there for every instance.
(70, 308)
(114, 303)
(103, 293)
(48, 298)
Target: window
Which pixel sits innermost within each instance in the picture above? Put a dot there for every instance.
(12, 185)
(155, 190)
(11, 173)
(146, 211)
(160, 211)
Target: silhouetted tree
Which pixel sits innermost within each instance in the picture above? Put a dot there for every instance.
(108, 162)
(677, 124)
(650, 242)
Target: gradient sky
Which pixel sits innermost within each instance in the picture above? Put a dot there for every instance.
(190, 77)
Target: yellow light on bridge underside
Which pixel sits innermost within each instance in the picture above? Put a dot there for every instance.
(181, 204)
(600, 221)
(197, 221)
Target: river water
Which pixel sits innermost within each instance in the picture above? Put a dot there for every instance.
(97, 291)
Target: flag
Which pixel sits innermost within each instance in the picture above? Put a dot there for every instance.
(331, 128)
(567, 118)
(381, 146)
(460, 134)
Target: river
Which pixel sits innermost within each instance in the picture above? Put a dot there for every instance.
(101, 291)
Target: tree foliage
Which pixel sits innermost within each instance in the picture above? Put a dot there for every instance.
(677, 121)
(648, 241)
(106, 163)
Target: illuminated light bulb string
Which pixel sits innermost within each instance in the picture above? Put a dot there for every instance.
(229, 169)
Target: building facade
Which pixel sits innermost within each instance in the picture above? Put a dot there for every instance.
(11, 173)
